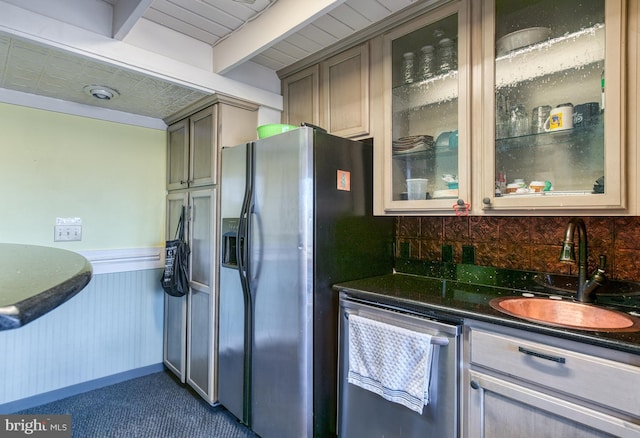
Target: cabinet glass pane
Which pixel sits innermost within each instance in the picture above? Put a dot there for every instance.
(201, 239)
(549, 76)
(177, 154)
(174, 209)
(202, 133)
(175, 319)
(425, 112)
(199, 340)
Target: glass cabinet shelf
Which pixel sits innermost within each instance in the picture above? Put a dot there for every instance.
(575, 136)
(571, 160)
(425, 155)
(546, 58)
(571, 51)
(441, 88)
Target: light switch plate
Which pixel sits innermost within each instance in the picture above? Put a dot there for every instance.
(67, 229)
(67, 233)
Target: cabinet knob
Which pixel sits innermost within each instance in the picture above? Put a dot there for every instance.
(461, 208)
(475, 385)
(486, 201)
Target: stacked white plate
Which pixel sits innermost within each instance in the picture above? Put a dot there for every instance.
(413, 143)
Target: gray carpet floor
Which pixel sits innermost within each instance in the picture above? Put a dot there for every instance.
(153, 406)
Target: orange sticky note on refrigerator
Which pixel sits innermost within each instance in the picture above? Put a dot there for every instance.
(344, 180)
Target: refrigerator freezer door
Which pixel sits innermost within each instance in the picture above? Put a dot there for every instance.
(281, 254)
(231, 304)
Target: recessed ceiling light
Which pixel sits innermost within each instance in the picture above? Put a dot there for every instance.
(101, 92)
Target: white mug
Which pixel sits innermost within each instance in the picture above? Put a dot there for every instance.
(559, 118)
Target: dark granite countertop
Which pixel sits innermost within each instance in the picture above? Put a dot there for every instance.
(459, 299)
(36, 279)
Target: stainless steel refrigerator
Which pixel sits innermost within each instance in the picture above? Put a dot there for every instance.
(296, 213)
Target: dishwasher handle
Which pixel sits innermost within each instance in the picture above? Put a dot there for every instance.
(440, 341)
(435, 340)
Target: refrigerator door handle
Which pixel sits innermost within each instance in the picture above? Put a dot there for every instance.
(244, 224)
(242, 253)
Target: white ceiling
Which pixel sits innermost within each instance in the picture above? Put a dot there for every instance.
(212, 20)
(36, 69)
(56, 62)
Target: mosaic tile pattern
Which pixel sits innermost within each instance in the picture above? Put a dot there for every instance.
(527, 243)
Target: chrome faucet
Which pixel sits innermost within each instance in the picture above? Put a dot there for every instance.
(568, 255)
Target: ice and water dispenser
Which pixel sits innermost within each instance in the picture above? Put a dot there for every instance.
(230, 242)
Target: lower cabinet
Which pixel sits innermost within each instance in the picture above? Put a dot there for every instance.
(499, 408)
(520, 388)
(175, 335)
(189, 326)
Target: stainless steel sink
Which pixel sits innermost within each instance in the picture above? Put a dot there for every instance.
(568, 314)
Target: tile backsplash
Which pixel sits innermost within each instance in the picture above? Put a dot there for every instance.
(526, 243)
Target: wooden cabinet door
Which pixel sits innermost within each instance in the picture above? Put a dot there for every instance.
(499, 408)
(301, 93)
(570, 73)
(345, 92)
(201, 303)
(175, 308)
(202, 162)
(191, 158)
(177, 155)
(425, 137)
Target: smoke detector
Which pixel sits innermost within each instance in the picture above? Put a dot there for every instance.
(101, 92)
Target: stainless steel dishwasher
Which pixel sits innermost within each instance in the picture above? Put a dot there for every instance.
(363, 414)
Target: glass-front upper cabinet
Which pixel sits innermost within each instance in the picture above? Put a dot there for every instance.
(426, 84)
(553, 101)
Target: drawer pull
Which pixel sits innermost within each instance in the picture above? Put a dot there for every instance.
(557, 359)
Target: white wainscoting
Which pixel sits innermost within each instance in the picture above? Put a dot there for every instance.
(121, 260)
(113, 326)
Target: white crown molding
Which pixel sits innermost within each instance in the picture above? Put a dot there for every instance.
(110, 261)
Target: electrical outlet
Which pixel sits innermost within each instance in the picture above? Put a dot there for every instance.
(405, 250)
(67, 233)
(447, 253)
(469, 254)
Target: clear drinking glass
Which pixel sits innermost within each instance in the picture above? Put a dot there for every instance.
(518, 121)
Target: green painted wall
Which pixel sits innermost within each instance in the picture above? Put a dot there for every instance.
(57, 165)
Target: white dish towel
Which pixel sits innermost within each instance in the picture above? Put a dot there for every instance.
(390, 361)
